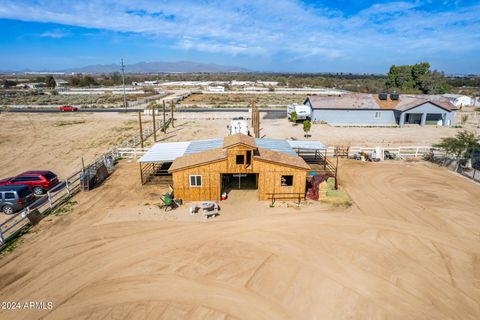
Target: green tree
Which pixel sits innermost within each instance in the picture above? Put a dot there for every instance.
(9, 83)
(293, 117)
(464, 145)
(307, 125)
(417, 77)
(50, 81)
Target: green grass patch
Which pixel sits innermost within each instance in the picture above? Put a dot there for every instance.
(66, 208)
(339, 197)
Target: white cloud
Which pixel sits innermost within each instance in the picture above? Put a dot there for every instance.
(54, 34)
(241, 27)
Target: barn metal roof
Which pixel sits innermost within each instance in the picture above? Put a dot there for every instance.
(275, 145)
(203, 145)
(169, 151)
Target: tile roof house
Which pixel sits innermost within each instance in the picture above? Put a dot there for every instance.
(367, 109)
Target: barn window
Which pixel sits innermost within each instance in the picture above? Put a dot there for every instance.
(287, 181)
(378, 115)
(240, 159)
(195, 181)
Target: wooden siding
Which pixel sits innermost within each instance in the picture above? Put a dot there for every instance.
(232, 166)
(269, 177)
(211, 182)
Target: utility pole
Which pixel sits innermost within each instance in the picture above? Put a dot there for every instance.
(123, 79)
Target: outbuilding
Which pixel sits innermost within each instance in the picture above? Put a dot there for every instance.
(204, 169)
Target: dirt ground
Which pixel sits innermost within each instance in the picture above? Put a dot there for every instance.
(236, 99)
(408, 248)
(58, 141)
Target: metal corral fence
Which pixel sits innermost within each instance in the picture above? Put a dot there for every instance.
(59, 194)
(211, 116)
(55, 197)
(402, 152)
(79, 180)
(147, 132)
(131, 153)
(40, 207)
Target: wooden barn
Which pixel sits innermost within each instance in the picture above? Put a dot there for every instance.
(238, 163)
(201, 170)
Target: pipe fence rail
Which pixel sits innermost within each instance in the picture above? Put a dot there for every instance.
(54, 198)
(40, 207)
(401, 152)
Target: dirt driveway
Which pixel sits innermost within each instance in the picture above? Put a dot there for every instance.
(407, 249)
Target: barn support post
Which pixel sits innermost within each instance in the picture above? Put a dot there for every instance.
(141, 173)
(141, 129)
(154, 123)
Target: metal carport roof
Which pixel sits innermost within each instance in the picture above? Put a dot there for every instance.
(306, 144)
(165, 152)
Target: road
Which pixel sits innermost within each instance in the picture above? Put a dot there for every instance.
(141, 110)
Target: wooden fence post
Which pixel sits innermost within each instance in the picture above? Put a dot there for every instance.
(154, 123)
(164, 121)
(49, 199)
(141, 129)
(172, 118)
(336, 175)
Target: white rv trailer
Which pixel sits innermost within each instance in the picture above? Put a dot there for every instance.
(304, 112)
(238, 125)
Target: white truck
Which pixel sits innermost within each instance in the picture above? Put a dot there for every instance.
(304, 112)
(238, 125)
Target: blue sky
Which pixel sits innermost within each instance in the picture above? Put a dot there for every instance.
(267, 35)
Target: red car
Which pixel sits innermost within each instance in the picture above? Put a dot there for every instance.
(39, 180)
(68, 108)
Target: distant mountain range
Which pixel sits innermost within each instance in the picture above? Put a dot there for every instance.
(157, 67)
